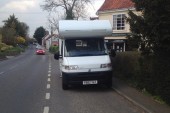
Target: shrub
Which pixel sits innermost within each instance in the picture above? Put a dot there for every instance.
(13, 51)
(53, 49)
(20, 40)
(4, 47)
(126, 65)
(150, 73)
(2, 55)
(158, 76)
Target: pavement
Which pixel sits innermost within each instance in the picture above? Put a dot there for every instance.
(148, 104)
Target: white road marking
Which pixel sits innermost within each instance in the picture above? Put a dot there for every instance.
(46, 109)
(49, 75)
(49, 71)
(48, 79)
(48, 86)
(47, 96)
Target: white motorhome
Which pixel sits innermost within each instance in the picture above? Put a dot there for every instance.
(83, 55)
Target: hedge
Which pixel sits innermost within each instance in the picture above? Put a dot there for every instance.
(149, 73)
(11, 52)
(53, 49)
(2, 55)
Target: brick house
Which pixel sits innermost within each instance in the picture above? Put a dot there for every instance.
(116, 11)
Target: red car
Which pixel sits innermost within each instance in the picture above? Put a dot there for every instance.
(40, 51)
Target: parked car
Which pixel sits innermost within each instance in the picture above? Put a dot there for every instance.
(38, 47)
(40, 51)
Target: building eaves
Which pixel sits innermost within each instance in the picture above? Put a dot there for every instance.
(115, 11)
(116, 4)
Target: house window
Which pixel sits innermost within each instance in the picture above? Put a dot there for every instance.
(119, 22)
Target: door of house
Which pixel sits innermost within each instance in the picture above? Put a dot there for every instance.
(119, 47)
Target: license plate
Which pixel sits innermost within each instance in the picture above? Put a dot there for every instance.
(90, 82)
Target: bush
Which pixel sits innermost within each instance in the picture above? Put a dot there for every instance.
(53, 49)
(155, 75)
(4, 47)
(13, 51)
(150, 73)
(126, 66)
(10, 51)
(2, 55)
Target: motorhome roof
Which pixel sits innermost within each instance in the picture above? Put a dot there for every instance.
(78, 29)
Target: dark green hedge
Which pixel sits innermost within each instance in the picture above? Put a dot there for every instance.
(2, 55)
(126, 65)
(150, 73)
(14, 51)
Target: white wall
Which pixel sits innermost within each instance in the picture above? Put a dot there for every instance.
(108, 15)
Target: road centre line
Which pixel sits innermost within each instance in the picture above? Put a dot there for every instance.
(48, 79)
(49, 75)
(49, 71)
(46, 109)
(48, 86)
(47, 96)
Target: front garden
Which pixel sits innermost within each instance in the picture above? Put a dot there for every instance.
(6, 50)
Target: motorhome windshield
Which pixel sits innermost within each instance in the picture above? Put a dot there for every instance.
(85, 47)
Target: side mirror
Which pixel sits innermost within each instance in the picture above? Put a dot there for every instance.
(56, 55)
(112, 53)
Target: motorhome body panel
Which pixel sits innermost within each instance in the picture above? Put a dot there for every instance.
(87, 64)
(88, 29)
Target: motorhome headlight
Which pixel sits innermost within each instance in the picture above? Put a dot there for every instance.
(71, 67)
(109, 65)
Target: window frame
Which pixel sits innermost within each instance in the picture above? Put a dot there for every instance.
(122, 22)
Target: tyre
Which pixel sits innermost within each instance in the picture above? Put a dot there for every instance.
(109, 83)
(64, 83)
(65, 86)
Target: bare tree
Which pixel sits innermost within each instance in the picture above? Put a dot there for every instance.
(73, 9)
(53, 20)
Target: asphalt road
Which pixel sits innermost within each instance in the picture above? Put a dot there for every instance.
(30, 83)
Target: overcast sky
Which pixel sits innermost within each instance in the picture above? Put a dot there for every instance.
(29, 12)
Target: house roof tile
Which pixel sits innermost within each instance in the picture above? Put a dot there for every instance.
(116, 4)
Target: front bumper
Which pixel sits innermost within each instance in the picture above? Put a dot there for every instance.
(78, 78)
